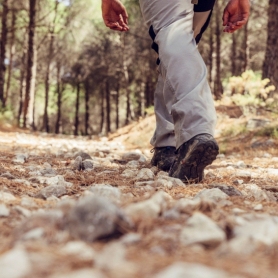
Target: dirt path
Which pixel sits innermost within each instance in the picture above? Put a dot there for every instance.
(73, 207)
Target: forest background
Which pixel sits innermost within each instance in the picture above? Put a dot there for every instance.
(63, 71)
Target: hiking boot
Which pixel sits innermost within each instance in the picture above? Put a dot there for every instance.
(192, 158)
(163, 157)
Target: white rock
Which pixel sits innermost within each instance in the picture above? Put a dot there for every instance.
(250, 235)
(187, 205)
(221, 155)
(243, 174)
(258, 207)
(191, 270)
(133, 164)
(52, 190)
(160, 182)
(148, 209)
(144, 174)
(94, 217)
(81, 273)
(201, 229)
(15, 264)
(131, 238)
(253, 191)
(20, 158)
(6, 197)
(36, 233)
(4, 211)
(162, 174)
(128, 173)
(214, 194)
(58, 180)
(79, 249)
(107, 191)
(274, 159)
(230, 168)
(272, 172)
(131, 156)
(241, 164)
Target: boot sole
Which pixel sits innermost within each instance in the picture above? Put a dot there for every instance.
(198, 156)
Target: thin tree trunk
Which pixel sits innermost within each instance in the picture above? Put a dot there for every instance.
(22, 85)
(210, 56)
(30, 58)
(107, 97)
(117, 105)
(59, 99)
(31, 112)
(233, 55)
(4, 32)
(218, 89)
(270, 69)
(12, 47)
(76, 123)
(101, 110)
(245, 48)
(87, 108)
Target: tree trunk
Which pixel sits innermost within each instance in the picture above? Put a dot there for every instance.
(4, 32)
(59, 99)
(245, 47)
(101, 110)
(218, 89)
(117, 105)
(76, 123)
(87, 108)
(30, 58)
(270, 66)
(210, 56)
(107, 97)
(22, 86)
(12, 48)
(233, 55)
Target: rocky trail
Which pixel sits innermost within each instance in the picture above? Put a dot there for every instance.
(79, 207)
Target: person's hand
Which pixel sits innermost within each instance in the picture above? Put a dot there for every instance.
(235, 15)
(114, 15)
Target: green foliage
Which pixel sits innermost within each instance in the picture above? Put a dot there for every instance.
(250, 92)
(234, 130)
(269, 131)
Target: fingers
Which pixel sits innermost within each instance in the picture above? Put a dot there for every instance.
(225, 17)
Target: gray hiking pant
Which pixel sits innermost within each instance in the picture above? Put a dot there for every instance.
(184, 105)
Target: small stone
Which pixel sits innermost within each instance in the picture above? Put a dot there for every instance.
(229, 190)
(220, 156)
(15, 263)
(52, 190)
(258, 207)
(48, 172)
(79, 249)
(6, 197)
(148, 209)
(238, 182)
(77, 164)
(230, 168)
(81, 273)
(200, 229)
(128, 173)
(253, 191)
(4, 211)
(87, 164)
(8, 176)
(243, 174)
(57, 180)
(36, 233)
(241, 164)
(191, 270)
(131, 238)
(83, 155)
(131, 156)
(238, 211)
(214, 194)
(95, 217)
(272, 172)
(274, 159)
(107, 191)
(144, 174)
(20, 158)
(133, 164)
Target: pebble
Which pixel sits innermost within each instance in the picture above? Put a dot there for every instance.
(144, 174)
(253, 191)
(15, 263)
(87, 164)
(79, 249)
(83, 155)
(200, 229)
(81, 273)
(131, 238)
(214, 194)
(258, 207)
(129, 156)
(4, 211)
(148, 209)
(20, 158)
(128, 173)
(77, 164)
(191, 270)
(227, 189)
(36, 233)
(107, 191)
(6, 197)
(52, 190)
(133, 164)
(94, 217)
